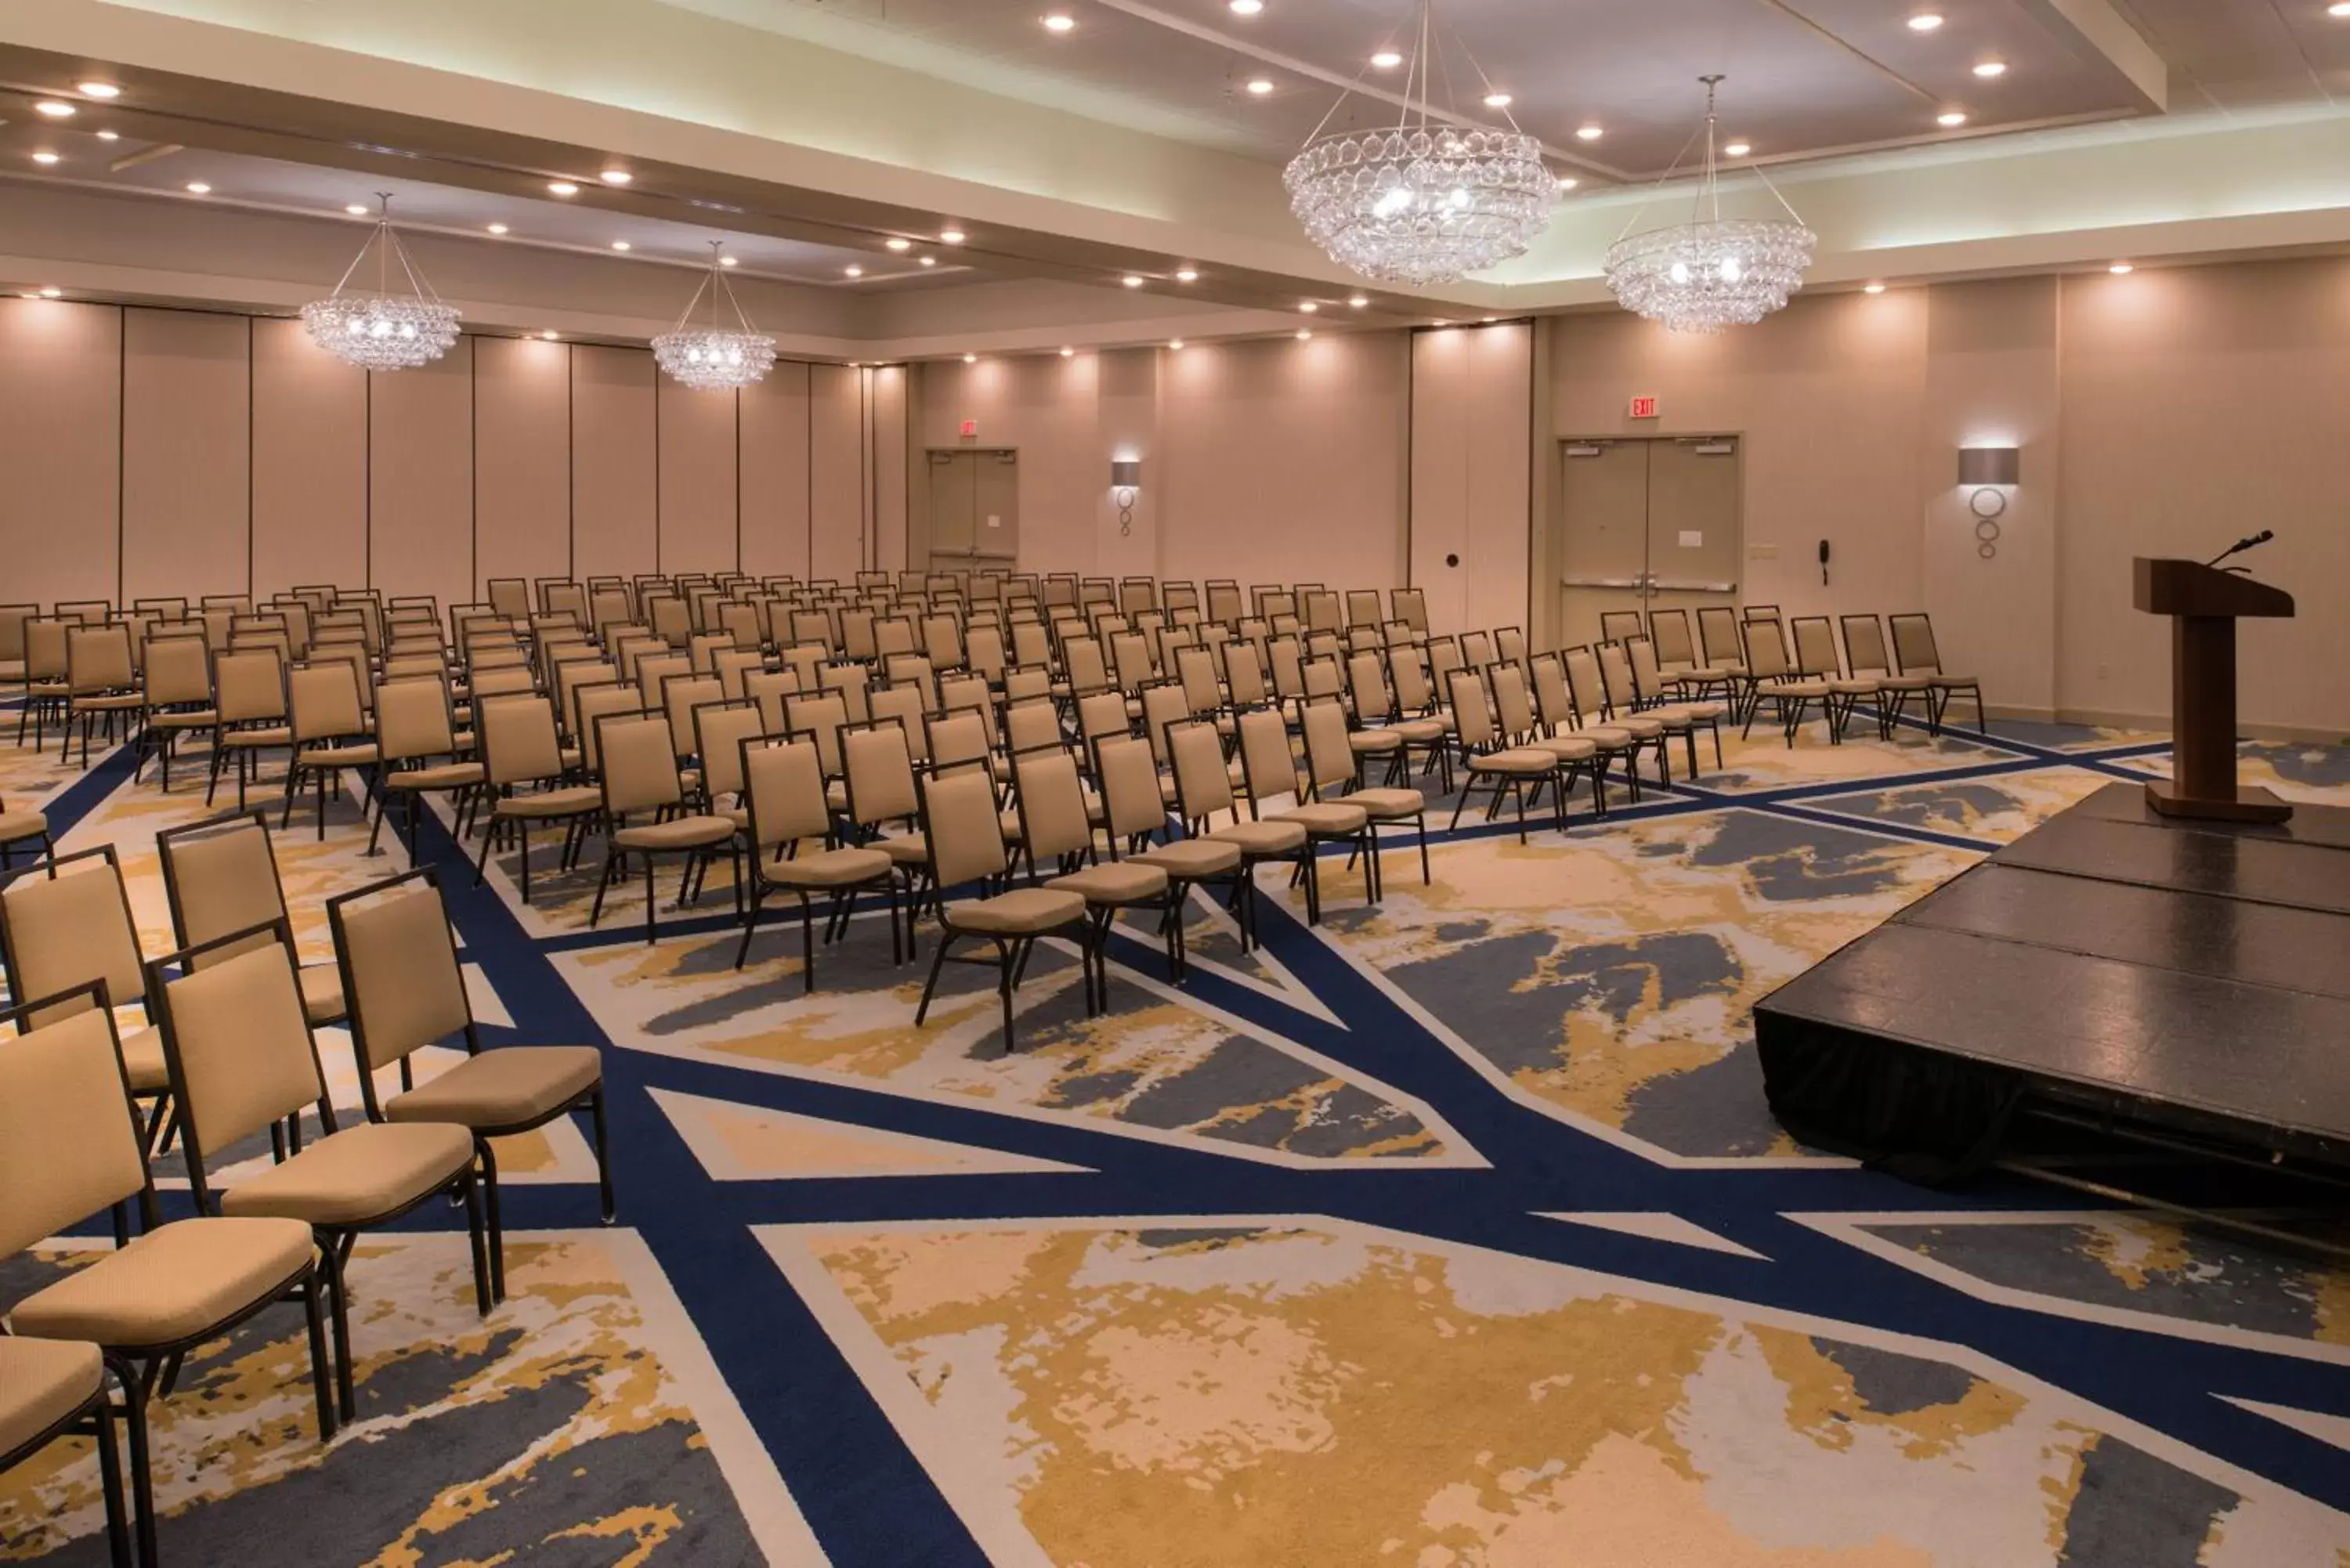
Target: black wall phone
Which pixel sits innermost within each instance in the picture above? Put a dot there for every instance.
(1823, 563)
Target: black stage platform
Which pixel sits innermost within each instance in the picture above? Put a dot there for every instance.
(2186, 981)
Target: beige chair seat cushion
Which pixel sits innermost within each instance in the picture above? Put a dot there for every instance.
(1422, 731)
(1263, 838)
(512, 1087)
(1953, 682)
(1375, 743)
(1517, 761)
(1022, 912)
(905, 849)
(1904, 682)
(678, 833)
(1791, 689)
(1675, 716)
(447, 775)
(1703, 675)
(112, 702)
(42, 1382)
(1385, 804)
(322, 992)
(827, 868)
(1327, 819)
(1192, 859)
(1853, 687)
(1704, 713)
(1120, 882)
(172, 1283)
(184, 718)
(570, 802)
(142, 1061)
(1607, 737)
(338, 756)
(1639, 726)
(272, 735)
(1565, 748)
(17, 825)
(360, 1174)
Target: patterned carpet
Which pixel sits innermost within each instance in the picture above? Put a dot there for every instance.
(1449, 1234)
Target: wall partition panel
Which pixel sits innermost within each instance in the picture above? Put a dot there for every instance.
(775, 432)
(421, 480)
(837, 468)
(309, 462)
(522, 458)
(614, 530)
(887, 401)
(60, 411)
(697, 479)
(186, 453)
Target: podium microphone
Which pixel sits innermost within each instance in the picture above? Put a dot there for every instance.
(2241, 546)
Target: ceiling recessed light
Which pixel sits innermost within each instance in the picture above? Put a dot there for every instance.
(1358, 301)
(1187, 274)
(497, 228)
(1497, 101)
(1589, 133)
(1386, 59)
(971, 358)
(1247, 7)
(951, 236)
(1131, 281)
(616, 176)
(1260, 85)
(730, 261)
(56, 109)
(1059, 22)
(109, 136)
(1302, 334)
(1568, 182)
(28, 294)
(198, 188)
(853, 270)
(1737, 148)
(928, 261)
(898, 245)
(1175, 343)
(97, 90)
(355, 209)
(561, 188)
(2122, 269)
(1309, 308)
(53, 292)
(1872, 288)
(550, 335)
(1925, 21)
(44, 158)
(1950, 119)
(1990, 68)
(1067, 352)
(2339, 8)
(1490, 319)
(620, 244)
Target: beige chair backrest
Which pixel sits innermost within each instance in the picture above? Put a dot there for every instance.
(1201, 783)
(784, 790)
(904, 705)
(412, 719)
(1408, 669)
(502, 681)
(704, 648)
(958, 738)
(70, 928)
(325, 696)
(12, 629)
(880, 774)
(1717, 634)
(720, 728)
(1766, 655)
(822, 717)
(1583, 684)
(1030, 723)
(1913, 645)
(406, 990)
(237, 1036)
(651, 672)
(1083, 656)
(983, 651)
(45, 647)
(966, 838)
(1266, 758)
(733, 666)
(510, 596)
(97, 660)
(1053, 820)
(570, 676)
(680, 695)
(1473, 719)
(1196, 668)
(517, 739)
(768, 687)
(1671, 631)
(640, 762)
(1244, 675)
(592, 704)
(1031, 644)
(1864, 646)
(1366, 683)
(68, 1136)
(1513, 706)
(221, 881)
(1552, 699)
(1648, 677)
(1128, 775)
(1329, 758)
(1816, 649)
(854, 683)
(1021, 684)
(179, 670)
(250, 684)
(1163, 705)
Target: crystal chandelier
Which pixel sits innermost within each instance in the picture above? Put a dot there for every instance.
(1711, 271)
(1423, 202)
(384, 330)
(715, 357)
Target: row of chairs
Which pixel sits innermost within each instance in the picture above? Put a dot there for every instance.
(228, 1050)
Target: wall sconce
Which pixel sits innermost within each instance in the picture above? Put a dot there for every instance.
(1125, 483)
(1989, 472)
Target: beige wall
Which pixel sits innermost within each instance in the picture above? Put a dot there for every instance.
(1472, 475)
(2165, 412)
(158, 452)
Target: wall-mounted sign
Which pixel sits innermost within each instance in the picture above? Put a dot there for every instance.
(1644, 407)
(969, 430)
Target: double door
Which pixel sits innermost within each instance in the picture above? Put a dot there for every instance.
(974, 509)
(1646, 524)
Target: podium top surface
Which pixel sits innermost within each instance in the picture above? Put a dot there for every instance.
(2190, 588)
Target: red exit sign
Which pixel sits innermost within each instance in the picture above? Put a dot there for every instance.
(1644, 407)
(970, 428)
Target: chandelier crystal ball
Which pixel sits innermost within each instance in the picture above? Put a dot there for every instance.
(387, 329)
(1711, 271)
(1421, 205)
(1710, 274)
(713, 356)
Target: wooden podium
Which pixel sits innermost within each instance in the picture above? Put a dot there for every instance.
(2204, 604)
